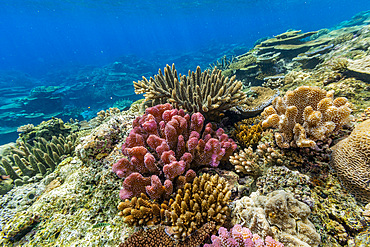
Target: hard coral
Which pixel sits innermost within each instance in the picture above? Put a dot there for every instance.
(278, 215)
(141, 211)
(247, 135)
(167, 144)
(351, 161)
(158, 237)
(306, 115)
(206, 199)
(204, 92)
(239, 236)
(37, 160)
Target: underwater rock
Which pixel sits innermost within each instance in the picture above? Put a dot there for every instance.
(278, 215)
(359, 68)
(336, 214)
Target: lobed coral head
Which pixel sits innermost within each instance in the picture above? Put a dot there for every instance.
(168, 143)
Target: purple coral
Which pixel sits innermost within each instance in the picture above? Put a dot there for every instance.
(241, 237)
(168, 143)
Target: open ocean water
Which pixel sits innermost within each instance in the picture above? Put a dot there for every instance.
(44, 41)
(68, 104)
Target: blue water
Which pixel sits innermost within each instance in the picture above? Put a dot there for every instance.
(60, 43)
(39, 36)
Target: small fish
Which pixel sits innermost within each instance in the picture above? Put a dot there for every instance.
(3, 177)
(102, 224)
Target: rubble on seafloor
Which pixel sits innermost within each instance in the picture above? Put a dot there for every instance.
(283, 192)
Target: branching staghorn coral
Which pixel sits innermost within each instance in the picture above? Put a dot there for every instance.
(305, 115)
(205, 92)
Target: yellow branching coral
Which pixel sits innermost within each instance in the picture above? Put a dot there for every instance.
(247, 135)
(205, 92)
(247, 162)
(140, 211)
(351, 161)
(306, 115)
(206, 199)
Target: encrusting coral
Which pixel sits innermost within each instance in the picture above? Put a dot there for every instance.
(206, 199)
(350, 159)
(163, 148)
(278, 215)
(205, 92)
(305, 115)
(239, 236)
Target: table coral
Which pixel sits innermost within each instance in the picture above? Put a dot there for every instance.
(305, 115)
(278, 215)
(350, 159)
(239, 236)
(167, 144)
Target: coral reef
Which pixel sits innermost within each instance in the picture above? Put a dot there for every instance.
(46, 130)
(359, 68)
(336, 214)
(239, 236)
(166, 144)
(100, 142)
(71, 211)
(157, 237)
(28, 163)
(364, 116)
(350, 159)
(247, 162)
(205, 92)
(74, 202)
(281, 178)
(278, 215)
(206, 199)
(140, 211)
(306, 115)
(259, 98)
(247, 135)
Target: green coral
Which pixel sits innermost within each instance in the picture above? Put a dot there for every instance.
(336, 214)
(46, 130)
(35, 161)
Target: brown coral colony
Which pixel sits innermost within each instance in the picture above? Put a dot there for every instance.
(205, 92)
(306, 115)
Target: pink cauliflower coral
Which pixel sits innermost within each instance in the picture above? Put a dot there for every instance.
(241, 237)
(165, 144)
